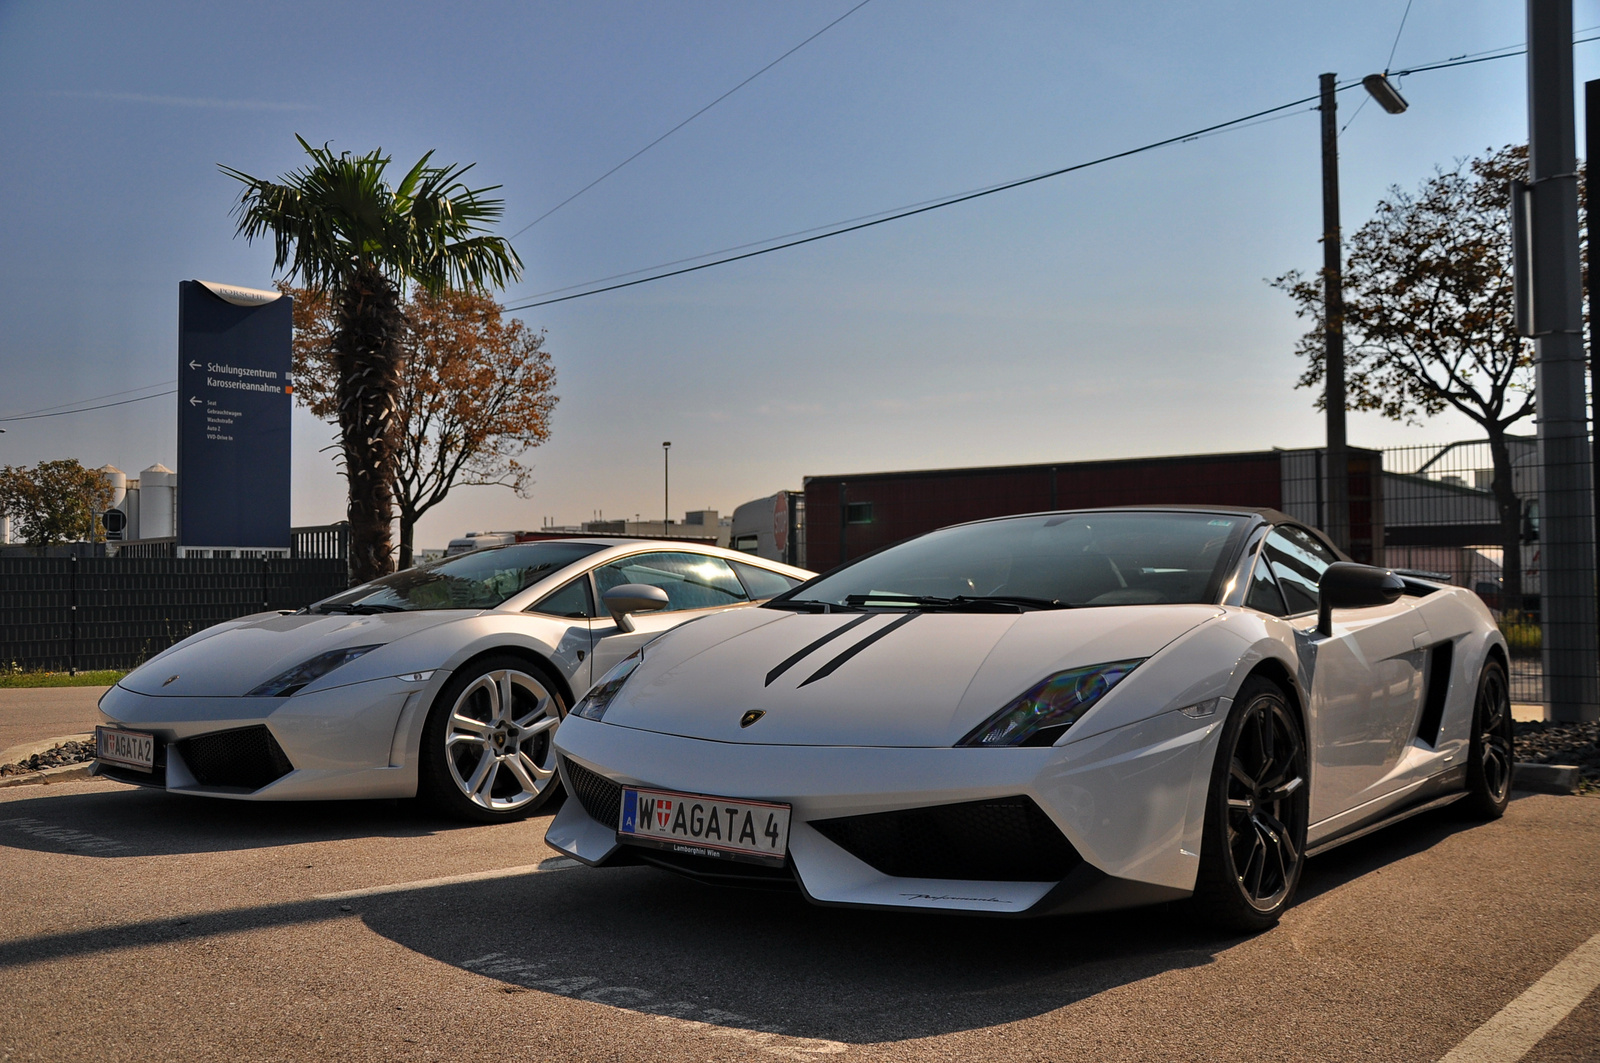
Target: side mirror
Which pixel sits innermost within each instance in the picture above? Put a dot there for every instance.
(1347, 585)
(632, 598)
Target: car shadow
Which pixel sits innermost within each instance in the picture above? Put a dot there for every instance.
(124, 822)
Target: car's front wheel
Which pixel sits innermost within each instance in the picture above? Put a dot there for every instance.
(487, 750)
(1253, 847)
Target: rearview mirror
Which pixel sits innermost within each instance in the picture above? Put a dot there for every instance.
(632, 598)
(1347, 585)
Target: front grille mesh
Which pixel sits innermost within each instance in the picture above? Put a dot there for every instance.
(599, 796)
(1008, 839)
(247, 758)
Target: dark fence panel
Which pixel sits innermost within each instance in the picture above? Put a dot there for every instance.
(87, 613)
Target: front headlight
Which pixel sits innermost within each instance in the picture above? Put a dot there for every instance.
(593, 706)
(306, 672)
(1044, 711)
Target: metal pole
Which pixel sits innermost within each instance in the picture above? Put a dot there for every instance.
(666, 487)
(1591, 116)
(1338, 464)
(1566, 512)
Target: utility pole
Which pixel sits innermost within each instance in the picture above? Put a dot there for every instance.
(1566, 498)
(666, 486)
(1591, 119)
(1337, 521)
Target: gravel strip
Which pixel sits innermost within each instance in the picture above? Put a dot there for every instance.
(1541, 742)
(66, 753)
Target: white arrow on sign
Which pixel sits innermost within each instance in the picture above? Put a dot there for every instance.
(194, 401)
(193, 364)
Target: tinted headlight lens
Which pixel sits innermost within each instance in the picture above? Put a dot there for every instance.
(593, 706)
(1044, 711)
(285, 683)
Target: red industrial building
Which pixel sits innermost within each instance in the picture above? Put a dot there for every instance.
(847, 516)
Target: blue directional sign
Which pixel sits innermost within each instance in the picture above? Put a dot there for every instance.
(234, 399)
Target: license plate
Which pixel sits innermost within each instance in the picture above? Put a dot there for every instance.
(757, 831)
(128, 748)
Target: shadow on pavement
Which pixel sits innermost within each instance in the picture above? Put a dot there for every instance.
(125, 822)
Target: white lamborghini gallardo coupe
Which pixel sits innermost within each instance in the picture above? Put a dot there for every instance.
(1060, 712)
(446, 680)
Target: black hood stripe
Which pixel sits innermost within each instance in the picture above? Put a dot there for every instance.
(833, 665)
(794, 658)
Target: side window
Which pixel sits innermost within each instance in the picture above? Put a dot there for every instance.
(762, 582)
(1298, 561)
(574, 600)
(692, 581)
(1263, 593)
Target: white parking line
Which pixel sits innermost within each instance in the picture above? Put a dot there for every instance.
(1521, 1024)
(558, 863)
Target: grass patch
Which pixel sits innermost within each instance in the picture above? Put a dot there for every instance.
(17, 678)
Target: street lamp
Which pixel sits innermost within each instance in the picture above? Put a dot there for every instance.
(1337, 522)
(666, 484)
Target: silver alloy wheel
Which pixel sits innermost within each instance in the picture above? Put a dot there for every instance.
(497, 740)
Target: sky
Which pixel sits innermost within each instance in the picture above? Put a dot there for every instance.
(1119, 311)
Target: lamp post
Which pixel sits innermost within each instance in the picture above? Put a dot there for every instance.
(666, 486)
(1337, 520)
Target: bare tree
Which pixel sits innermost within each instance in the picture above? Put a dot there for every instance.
(476, 393)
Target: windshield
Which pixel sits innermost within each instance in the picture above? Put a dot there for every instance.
(1052, 561)
(479, 580)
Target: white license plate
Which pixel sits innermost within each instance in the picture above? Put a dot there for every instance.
(698, 825)
(128, 748)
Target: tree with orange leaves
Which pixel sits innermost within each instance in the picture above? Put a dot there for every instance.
(476, 393)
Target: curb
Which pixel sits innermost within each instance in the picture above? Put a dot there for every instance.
(1545, 778)
(59, 773)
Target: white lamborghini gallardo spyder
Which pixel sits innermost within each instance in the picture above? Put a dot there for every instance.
(1059, 712)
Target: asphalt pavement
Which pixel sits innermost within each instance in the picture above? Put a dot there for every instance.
(30, 714)
(138, 925)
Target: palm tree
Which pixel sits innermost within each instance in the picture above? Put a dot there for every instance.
(339, 227)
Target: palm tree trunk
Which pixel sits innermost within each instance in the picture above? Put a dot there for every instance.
(367, 352)
(1510, 512)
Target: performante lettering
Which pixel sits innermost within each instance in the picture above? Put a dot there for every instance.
(748, 830)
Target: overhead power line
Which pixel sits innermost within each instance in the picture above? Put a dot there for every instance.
(86, 409)
(841, 228)
(691, 118)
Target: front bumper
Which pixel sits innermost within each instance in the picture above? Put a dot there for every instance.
(353, 741)
(1129, 802)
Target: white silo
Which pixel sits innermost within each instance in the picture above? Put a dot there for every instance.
(119, 485)
(158, 502)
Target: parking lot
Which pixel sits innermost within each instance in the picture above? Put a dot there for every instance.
(141, 926)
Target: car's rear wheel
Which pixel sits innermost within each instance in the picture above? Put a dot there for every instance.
(487, 749)
(1490, 756)
(1253, 847)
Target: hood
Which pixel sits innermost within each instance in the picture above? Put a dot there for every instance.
(873, 679)
(233, 658)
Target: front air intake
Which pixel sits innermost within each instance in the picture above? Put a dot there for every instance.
(1006, 839)
(246, 758)
(599, 796)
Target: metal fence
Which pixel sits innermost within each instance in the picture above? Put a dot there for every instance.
(70, 613)
(1443, 515)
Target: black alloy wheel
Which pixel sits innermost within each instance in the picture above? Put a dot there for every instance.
(1254, 842)
(1491, 754)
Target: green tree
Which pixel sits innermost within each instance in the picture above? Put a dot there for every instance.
(1428, 320)
(340, 228)
(476, 393)
(55, 501)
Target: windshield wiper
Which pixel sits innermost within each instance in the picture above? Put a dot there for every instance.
(358, 609)
(967, 602)
(804, 605)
